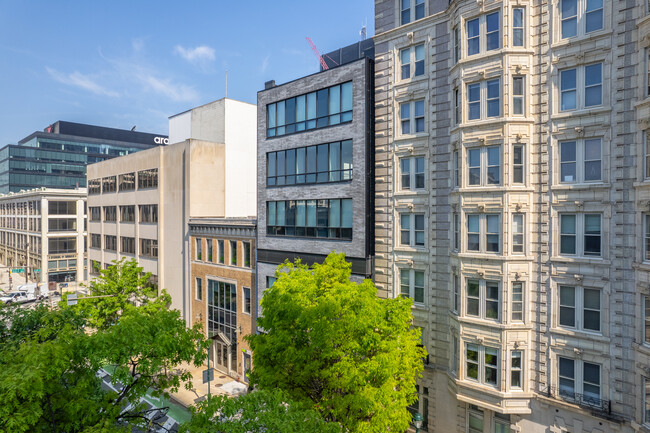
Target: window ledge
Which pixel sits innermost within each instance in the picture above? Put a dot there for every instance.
(581, 112)
(501, 189)
(644, 348)
(483, 256)
(580, 259)
(405, 137)
(573, 40)
(409, 249)
(419, 79)
(643, 184)
(409, 193)
(580, 186)
(464, 320)
(590, 335)
(643, 103)
(485, 55)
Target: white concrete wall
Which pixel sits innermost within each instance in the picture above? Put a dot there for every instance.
(180, 127)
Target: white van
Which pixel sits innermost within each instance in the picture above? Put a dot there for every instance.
(44, 293)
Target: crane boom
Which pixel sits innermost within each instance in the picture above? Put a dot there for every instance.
(315, 50)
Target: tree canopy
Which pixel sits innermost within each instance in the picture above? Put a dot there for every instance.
(49, 360)
(334, 343)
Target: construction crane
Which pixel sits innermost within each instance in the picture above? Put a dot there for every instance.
(315, 50)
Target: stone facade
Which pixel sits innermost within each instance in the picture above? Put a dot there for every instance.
(216, 237)
(534, 203)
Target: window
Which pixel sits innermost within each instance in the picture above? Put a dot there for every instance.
(310, 218)
(208, 244)
(518, 165)
(484, 166)
(411, 10)
(325, 107)
(487, 27)
(412, 59)
(482, 364)
(127, 182)
(456, 231)
(412, 285)
(456, 45)
(483, 231)
(247, 254)
(95, 213)
(109, 184)
(586, 79)
(518, 96)
(580, 308)
(247, 300)
(647, 69)
(60, 208)
(412, 117)
(330, 162)
(579, 380)
(456, 300)
(199, 289)
(454, 358)
(62, 224)
(94, 186)
(110, 213)
(646, 320)
(474, 419)
(646, 401)
(580, 161)
(518, 27)
(270, 281)
(127, 214)
(457, 107)
(110, 243)
(501, 423)
(580, 17)
(222, 315)
(148, 213)
(199, 249)
(515, 371)
(488, 91)
(412, 173)
(95, 240)
(646, 147)
(220, 245)
(586, 225)
(412, 229)
(127, 245)
(233, 253)
(482, 299)
(456, 169)
(148, 178)
(149, 247)
(517, 301)
(518, 233)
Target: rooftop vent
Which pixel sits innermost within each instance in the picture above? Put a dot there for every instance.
(269, 84)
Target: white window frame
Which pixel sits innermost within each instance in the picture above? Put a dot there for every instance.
(457, 44)
(412, 230)
(483, 33)
(581, 87)
(579, 308)
(456, 169)
(518, 235)
(580, 18)
(579, 234)
(646, 401)
(522, 28)
(412, 62)
(483, 299)
(456, 301)
(198, 289)
(484, 99)
(456, 231)
(578, 378)
(484, 166)
(482, 352)
(411, 284)
(646, 237)
(645, 309)
(514, 369)
(483, 233)
(519, 165)
(412, 7)
(412, 173)
(581, 160)
(646, 89)
(646, 153)
(412, 118)
(519, 98)
(458, 104)
(455, 357)
(518, 298)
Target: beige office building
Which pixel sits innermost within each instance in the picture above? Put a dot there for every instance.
(139, 205)
(512, 198)
(43, 234)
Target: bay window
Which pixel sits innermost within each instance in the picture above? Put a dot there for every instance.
(483, 232)
(483, 33)
(488, 91)
(482, 299)
(484, 166)
(482, 364)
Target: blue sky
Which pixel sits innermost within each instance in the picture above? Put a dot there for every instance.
(123, 63)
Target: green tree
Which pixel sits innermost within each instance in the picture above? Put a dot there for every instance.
(49, 361)
(334, 343)
(257, 412)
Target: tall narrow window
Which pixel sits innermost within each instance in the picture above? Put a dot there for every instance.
(221, 252)
(493, 98)
(518, 95)
(199, 289)
(518, 27)
(474, 101)
(457, 105)
(199, 250)
(475, 419)
(517, 301)
(233, 253)
(209, 249)
(594, 15)
(492, 28)
(646, 237)
(568, 234)
(456, 293)
(518, 164)
(569, 18)
(567, 377)
(646, 400)
(515, 369)
(647, 68)
(646, 319)
(568, 86)
(247, 254)
(518, 233)
(593, 84)
(247, 300)
(456, 170)
(456, 231)
(456, 45)
(473, 37)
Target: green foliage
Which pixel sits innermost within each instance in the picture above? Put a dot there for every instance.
(49, 359)
(257, 412)
(335, 344)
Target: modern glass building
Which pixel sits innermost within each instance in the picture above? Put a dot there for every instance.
(57, 157)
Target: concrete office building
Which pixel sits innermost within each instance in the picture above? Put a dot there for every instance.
(527, 125)
(57, 157)
(314, 137)
(223, 289)
(140, 204)
(44, 232)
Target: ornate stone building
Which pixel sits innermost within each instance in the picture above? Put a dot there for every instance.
(511, 203)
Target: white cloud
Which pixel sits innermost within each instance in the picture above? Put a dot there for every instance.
(202, 53)
(77, 79)
(165, 86)
(265, 64)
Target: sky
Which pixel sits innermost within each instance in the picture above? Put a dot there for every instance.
(120, 63)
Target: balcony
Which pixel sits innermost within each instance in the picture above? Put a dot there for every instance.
(597, 406)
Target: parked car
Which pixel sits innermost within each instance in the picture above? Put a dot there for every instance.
(17, 297)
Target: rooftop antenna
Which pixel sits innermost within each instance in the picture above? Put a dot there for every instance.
(226, 83)
(363, 31)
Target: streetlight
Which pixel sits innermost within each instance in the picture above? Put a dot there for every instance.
(417, 420)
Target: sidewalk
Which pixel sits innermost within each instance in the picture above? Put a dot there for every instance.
(221, 385)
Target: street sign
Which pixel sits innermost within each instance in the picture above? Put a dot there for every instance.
(37, 270)
(208, 375)
(18, 270)
(72, 299)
